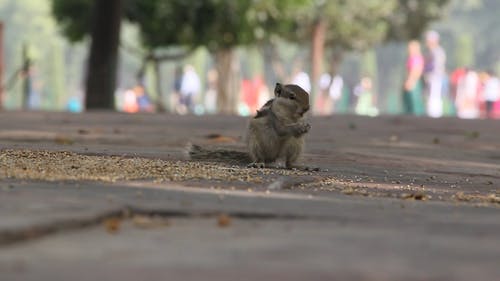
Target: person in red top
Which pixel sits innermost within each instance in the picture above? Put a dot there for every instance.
(456, 79)
(412, 89)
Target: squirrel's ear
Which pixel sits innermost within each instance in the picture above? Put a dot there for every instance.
(277, 89)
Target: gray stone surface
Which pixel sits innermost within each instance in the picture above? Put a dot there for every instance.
(311, 234)
(270, 236)
(251, 249)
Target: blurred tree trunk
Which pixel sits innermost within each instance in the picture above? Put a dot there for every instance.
(2, 84)
(26, 77)
(318, 51)
(335, 61)
(159, 91)
(57, 74)
(269, 73)
(103, 57)
(228, 91)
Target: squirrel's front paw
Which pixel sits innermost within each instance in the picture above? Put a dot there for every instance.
(302, 129)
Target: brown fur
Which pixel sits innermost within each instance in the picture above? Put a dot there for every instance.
(278, 129)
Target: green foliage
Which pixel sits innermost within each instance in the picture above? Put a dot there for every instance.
(74, 17)
(479, 19)
(227, 23)
(216, 24)
(369, 64)
(212, 23)
(464, 51)
(358, 25)
(56, 81)
(28, 22)
(353, 25)
(277, 19)
(411, 17)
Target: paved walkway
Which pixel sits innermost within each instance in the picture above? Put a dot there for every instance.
(397, 199)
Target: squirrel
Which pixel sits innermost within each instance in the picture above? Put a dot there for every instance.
(277, 131)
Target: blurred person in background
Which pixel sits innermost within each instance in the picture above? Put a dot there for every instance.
(456, 79)
(366, 101)
(190, 87)
(466, 101)
(144, 103)
(301, 78)
(323, 104)
(254, 95)
(412, 89)
(211, 93)
(330, 91)
(75, 102)
(130, 101)
(336, 90)
(434, 69)
(264, 94)
(491, 92)
(176, 94)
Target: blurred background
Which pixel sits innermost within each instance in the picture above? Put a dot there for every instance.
(225, 56)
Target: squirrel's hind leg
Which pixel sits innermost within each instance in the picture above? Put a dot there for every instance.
(292, 151)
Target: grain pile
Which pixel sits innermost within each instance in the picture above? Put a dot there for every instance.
(67, 166)
(63, 165)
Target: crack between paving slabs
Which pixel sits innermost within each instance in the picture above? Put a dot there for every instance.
(10, 237)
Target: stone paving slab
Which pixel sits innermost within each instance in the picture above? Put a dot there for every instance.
(268, 236)
(390, 156)
(195, 248)
(399, 198)
(88, 197)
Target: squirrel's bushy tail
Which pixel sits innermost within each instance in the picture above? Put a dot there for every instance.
(232, 157)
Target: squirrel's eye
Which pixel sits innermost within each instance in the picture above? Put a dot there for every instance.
(292, 97)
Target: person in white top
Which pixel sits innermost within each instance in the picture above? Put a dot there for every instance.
(336, 87)
(491, 92)
(190, 87)
(434, 68)
(330, 91)
(466, 100)
(301, 79)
